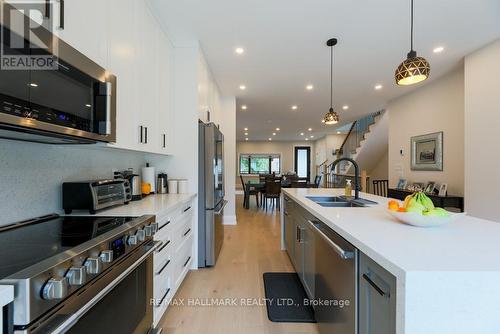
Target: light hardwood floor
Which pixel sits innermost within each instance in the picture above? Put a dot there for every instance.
(250, 249)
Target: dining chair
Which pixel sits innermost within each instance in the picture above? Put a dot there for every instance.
(273, 192)
(247, 192)
(380, 187)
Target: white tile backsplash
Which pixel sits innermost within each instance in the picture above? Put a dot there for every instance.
(31, 174)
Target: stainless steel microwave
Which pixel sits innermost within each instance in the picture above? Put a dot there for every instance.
(72, 103)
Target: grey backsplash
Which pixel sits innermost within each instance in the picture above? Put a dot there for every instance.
(31, 174)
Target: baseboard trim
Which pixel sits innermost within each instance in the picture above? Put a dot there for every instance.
(229, 220)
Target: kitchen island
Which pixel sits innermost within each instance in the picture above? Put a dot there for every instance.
(447, 278)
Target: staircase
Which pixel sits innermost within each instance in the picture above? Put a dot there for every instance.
(365, 143)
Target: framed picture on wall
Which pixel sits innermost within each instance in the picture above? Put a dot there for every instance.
(427, 152)
(402, 184)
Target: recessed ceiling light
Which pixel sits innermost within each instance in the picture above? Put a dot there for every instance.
(378, 87)
(246, 133)
(274, 133)
(312, 136)
(246, 139)
(307, 139)
(310, 129)
(322, 121)
(277, 129)
(345, 107)
(302, 133)
(438, 49)
(294, 107)
(239, 51)
(309, 87)
(246, 129)
(33, 84)
(270, 139)
(88, 105)
(243, 87)
(338, 132)
(244, 107)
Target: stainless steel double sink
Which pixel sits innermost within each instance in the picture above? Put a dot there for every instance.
(340, 201)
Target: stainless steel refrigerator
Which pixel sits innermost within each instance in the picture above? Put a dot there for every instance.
(211, 194)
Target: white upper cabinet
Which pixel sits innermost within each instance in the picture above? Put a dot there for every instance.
(122, 58)
(166, 93)
(83, 24)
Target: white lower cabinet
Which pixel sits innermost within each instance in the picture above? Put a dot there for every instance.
(174, 257)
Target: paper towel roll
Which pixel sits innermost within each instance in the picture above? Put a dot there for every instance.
(148, 176)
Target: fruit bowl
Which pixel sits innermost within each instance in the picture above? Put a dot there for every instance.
(419, 220)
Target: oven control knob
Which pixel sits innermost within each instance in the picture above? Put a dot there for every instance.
(154, 227)
(77, 275)
(93, 265)
(132, 240)
(141, 235)
(106, 256)
(149, 231)
(55, 288)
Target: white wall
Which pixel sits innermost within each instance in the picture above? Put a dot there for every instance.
(435, 107)
(31, 175)
(482, 135)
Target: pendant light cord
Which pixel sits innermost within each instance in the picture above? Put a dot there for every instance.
(331, 76)
(411, 25)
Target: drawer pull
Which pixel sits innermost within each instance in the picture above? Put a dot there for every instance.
(187, 209)
(163, 247)
(163, 298)
(187, 232)
(187, 261)
(163, 268)
(167, 223)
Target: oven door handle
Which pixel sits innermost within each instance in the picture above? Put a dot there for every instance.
(73, 318)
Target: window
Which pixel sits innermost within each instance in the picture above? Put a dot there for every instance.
(260, 163)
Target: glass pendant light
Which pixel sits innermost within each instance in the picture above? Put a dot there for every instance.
(331, 117)
(414, 69)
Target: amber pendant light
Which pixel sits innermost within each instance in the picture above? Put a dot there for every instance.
(331, 117)
(414, 69)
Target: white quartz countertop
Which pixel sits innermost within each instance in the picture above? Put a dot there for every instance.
(6, 294)
(151, 205)
(468, 244)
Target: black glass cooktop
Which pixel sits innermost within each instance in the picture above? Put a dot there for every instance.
(25, 244)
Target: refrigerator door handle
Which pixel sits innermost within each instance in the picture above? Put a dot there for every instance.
(222, 208)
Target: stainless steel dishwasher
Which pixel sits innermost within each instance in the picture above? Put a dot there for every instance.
(336, 287)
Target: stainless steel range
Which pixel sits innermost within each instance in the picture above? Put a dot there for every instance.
(79, 274)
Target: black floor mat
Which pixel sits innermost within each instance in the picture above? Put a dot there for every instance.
(285, 298)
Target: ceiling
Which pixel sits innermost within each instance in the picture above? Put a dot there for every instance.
(284, 43)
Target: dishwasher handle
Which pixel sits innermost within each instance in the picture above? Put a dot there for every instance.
(344, 254)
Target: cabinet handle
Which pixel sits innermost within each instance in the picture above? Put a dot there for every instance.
(141, 130)
(164, 140)
(163, 268)
(187, 232)
(375, 286)
(187, 208)
(187, 261)
(145, 135)
(297, 233)
(47, 9)
(61, 14)
(163, 246)
(163, 298)
(164, 225)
